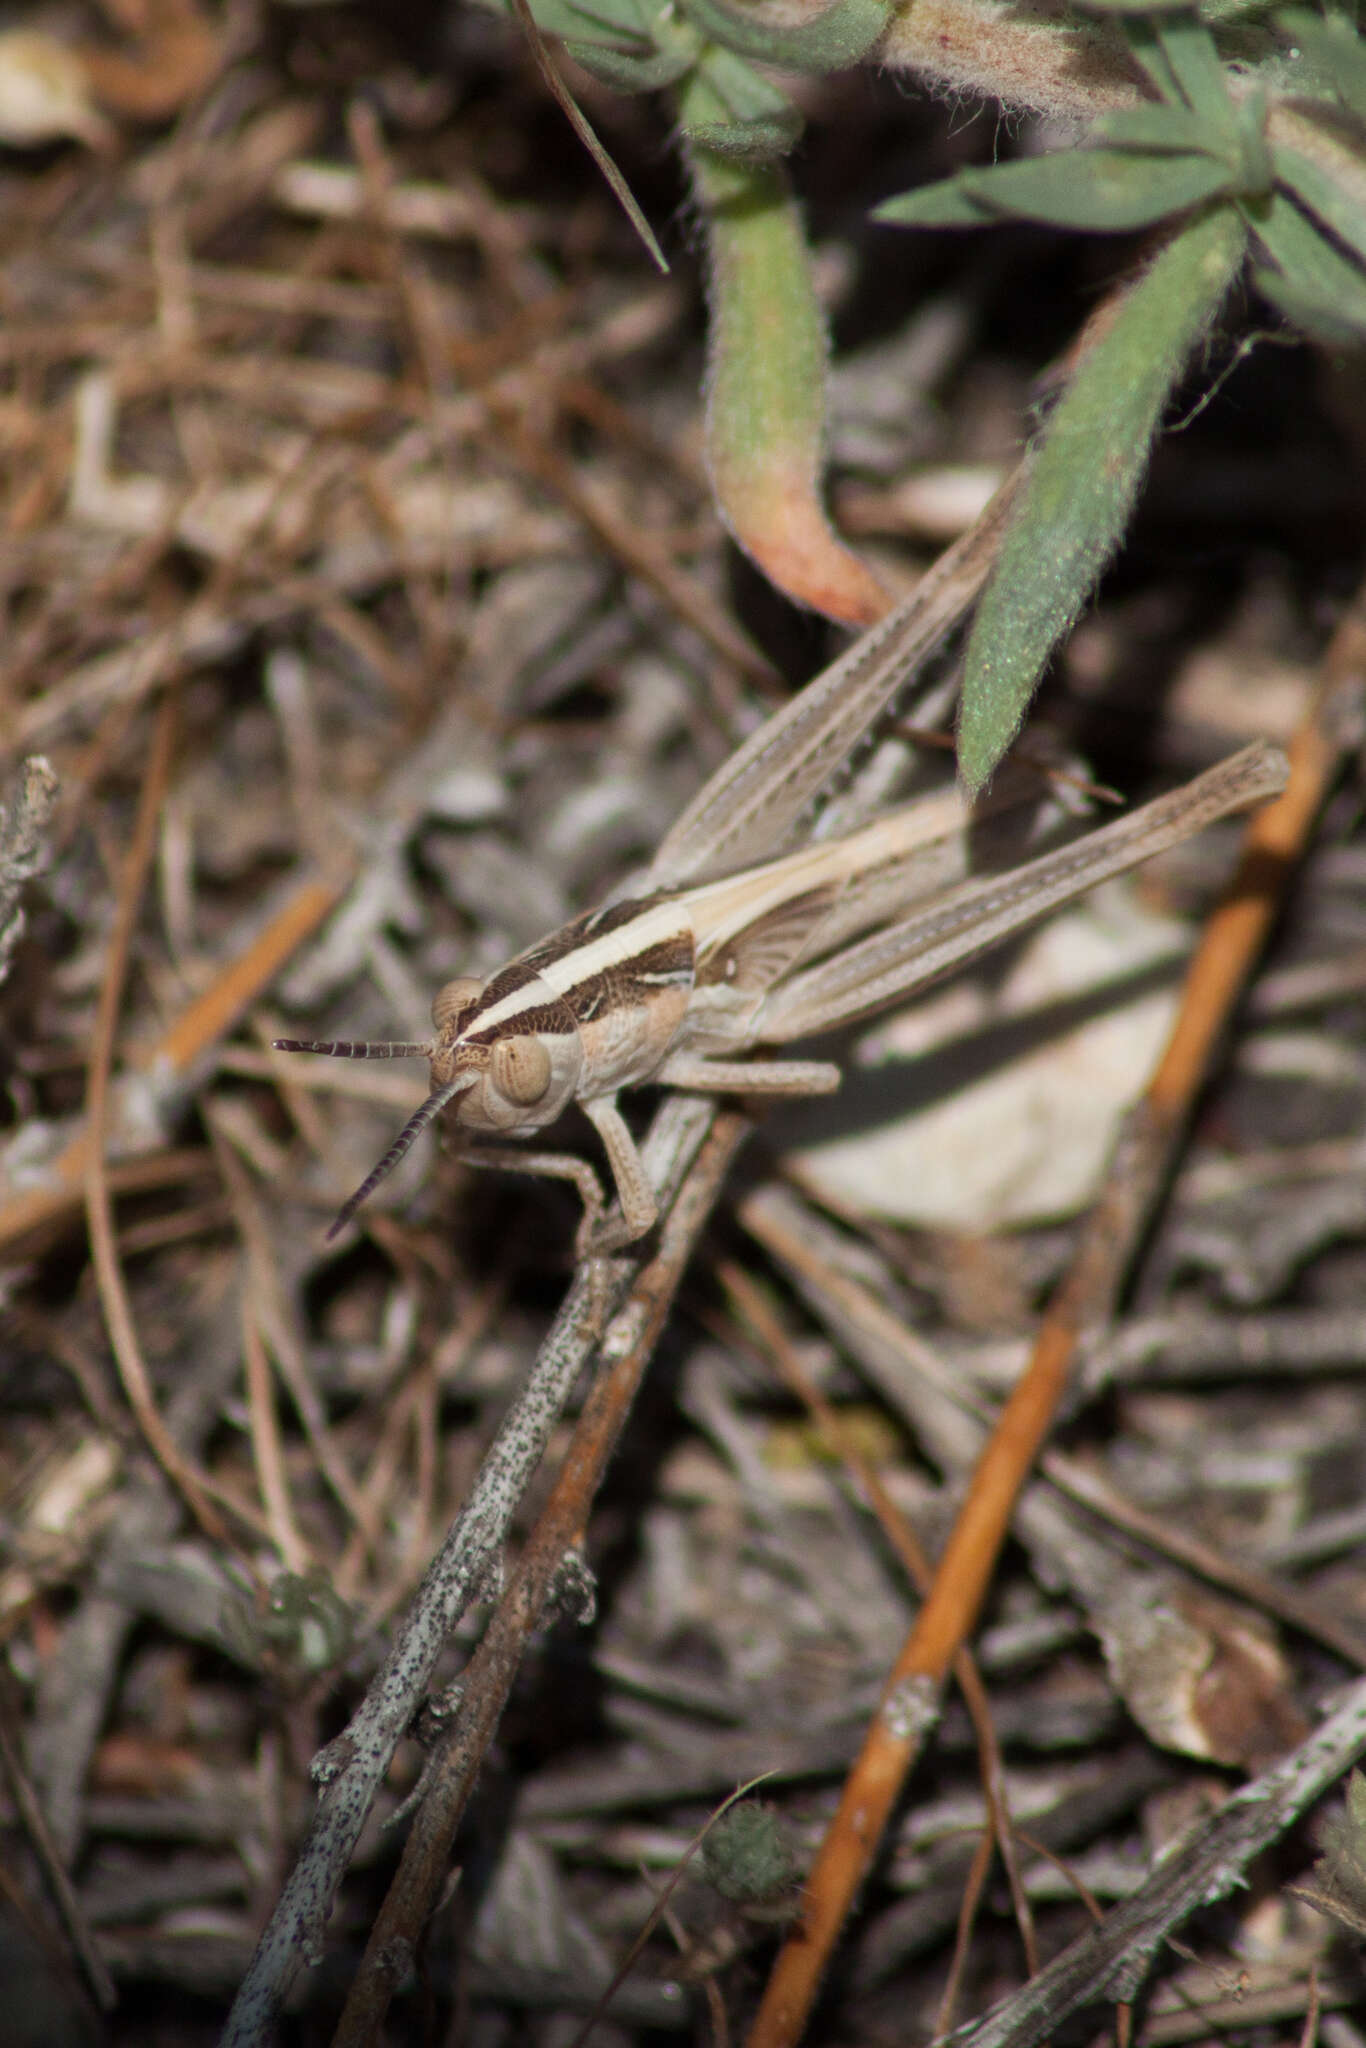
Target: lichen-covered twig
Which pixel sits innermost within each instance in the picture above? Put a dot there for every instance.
(24, 817)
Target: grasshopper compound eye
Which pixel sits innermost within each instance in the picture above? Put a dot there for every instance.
(520, 1069)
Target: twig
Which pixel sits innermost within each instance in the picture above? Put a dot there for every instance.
(1112, 1960)
(974, 1886)
(266, 1446)
(661, 1910)
(118, 1315)
(267, 1318)
(24, 819)
(170, 1059)
(627, 1346)
(29, 1809)
(778, 1348)
(350, 1770)
(1258, 1587)
(1272, 843)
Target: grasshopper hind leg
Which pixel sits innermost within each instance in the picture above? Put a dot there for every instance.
(791, 1078)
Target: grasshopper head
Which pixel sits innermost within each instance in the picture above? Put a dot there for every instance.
(508, 1061)
(450, 1078)
(515, 1052)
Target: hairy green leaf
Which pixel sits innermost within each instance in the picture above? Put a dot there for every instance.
(632, 45)
(1133, 7)
(616, 21)
(1164, 127)
(1335, 54)
(1337, 317)
(1191, 62)
(728, 106)
(625, 71)
(945, 205)
(753, 142)
(1197, 111)
(1085, 479)
(832, 41)
(1107, 190)
(1318, 191)
(1313, 282)
(1256, 172)
(766, 383)
(636, 19)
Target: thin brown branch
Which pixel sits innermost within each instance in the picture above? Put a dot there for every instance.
(627, 1346)
(28, 1808)
(175, 1052)
(351, 1769)
(755, 1310)
(114, 1301)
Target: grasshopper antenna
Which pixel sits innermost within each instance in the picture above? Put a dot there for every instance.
(356, 1048)
(402, 1145)
(366, 1049)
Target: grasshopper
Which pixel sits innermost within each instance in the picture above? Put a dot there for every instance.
(728, 943)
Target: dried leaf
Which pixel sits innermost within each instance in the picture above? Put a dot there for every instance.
(583, 128)
(45, 93)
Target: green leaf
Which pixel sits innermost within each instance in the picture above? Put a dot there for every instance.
(1145, 47)
(766, 383)
(1085, 479)
(1197, 68)
(728, 106)
(1336, 55)
(752, 142)
(1172, 128)
(1110, 191)
(1256, 172)
(945, 205)
(626, 71)
(1179, 55)
(1338, 318)
(614, 20)
(632, 45)
(833, 41)
(1133, 6)
(1318, 191)
(1313, 282)
(1164, 127)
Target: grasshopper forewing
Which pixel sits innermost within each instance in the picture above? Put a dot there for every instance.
(723, 951)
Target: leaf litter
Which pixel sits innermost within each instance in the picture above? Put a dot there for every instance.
(347, 433)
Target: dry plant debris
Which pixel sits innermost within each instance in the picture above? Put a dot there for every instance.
(366, 615)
